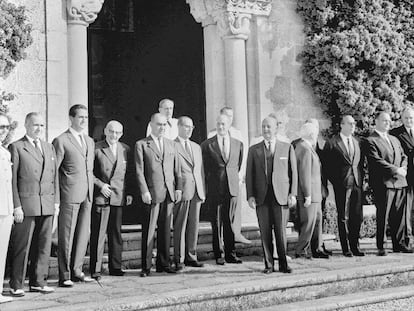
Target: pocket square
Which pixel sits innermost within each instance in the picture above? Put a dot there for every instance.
(283, 158)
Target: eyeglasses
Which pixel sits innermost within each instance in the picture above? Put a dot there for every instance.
(4, 127)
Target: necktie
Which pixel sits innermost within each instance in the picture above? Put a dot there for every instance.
(350, 148)
(82, 143)
(187, 149)
(410, 132)
(160, 144)
(37, 146)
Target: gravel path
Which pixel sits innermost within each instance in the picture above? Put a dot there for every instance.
(393, 305)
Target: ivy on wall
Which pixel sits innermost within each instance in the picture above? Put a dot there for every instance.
(359, 56)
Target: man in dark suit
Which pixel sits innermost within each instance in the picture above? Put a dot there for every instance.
(405, 134)
(111, 161)
(309, 195)
(75, 156)
(344, 163)
(222, 158)
(271, 184)
(187, 212)
(159, 181)
(36, 199)
(387, 165)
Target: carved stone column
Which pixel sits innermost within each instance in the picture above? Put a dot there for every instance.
(80, 13)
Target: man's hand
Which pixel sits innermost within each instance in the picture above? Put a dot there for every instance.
(146, 198)
(18, 214)
(402, 171)
(178, 194)
(55, 218)
(291, 200)
(308, 202)
(129, 199)
(106, 190)
(252, 202)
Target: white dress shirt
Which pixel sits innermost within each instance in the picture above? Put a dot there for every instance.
(77, 137)
(39, 145)
(224, 142)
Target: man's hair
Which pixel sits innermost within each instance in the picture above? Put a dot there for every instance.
(223, 110)
(344, 116)
(31, 115)
(162, 101)
(407, 109)
(182, 118)
(74, 109)
(156, 114)
(308, 130)
(380, 112)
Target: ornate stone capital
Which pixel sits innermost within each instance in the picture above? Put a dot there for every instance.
(83, 11)
(231, 16)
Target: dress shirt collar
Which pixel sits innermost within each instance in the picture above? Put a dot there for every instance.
(75, 133)
(155, 138)
(345, 138)
(308, 142)
(408, 129)
(31, 140)
(182, 140)
(382, 134)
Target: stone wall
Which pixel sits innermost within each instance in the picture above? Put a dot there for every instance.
(40, 81)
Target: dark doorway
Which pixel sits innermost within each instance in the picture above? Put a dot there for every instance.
(140, 52)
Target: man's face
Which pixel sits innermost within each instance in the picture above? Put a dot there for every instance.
(229, 113)
(4, 128)
(348, 126)
(113, 132)
(80, 121)
(408, 118)
(269, 128)
(35, 126)
(158, 125)
(383, 122)
(167, 109)
(185, 128)
(222, 125)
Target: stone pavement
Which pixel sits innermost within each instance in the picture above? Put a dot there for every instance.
(212, 282)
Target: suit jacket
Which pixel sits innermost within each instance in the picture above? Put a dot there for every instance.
(6, 193)
(339, 167)
(157, 173)
(309, 172)
(284, 175)
(221, 175)
(192, 171)
(35, 178)
(111, 170)
(383, 161)
(75, 168)
(407, 143)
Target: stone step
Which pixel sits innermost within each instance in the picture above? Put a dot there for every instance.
(353, 300)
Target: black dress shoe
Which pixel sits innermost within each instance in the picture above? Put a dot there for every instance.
(286, 269)
(233, 259)
(305, 256)
(96, 275)
(320, 254)
(179, 267)
(65, 283)
(348, 254)
(268, 270)
(145, 272)
(195, 264)
(405, 249)
(220, 261)
(81, 278)
(326, 251)
(116, 272)
(358, 253)
(382, 252)
(166, 269)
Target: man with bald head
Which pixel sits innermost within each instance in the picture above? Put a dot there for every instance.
(160, 184)
(343, 166)
(271, 183)
(405, 134)
(166, 108)
(110, 195)
(222, 157)
(387, 165)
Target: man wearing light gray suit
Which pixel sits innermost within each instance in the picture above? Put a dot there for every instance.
(187, 212)
(159, 181)
(111, 161)
(36, 200)
(309, 195)
(271, 184)
(75, 157)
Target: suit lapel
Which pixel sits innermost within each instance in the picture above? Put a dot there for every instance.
(232, 150)
(357, 151)
(405, 136)
(32, 150)
(261, 155)
(106, 150)
(119, 156)
(342, 148)
(183, 152)
(151, 144)
(216, 148)
(74, 141)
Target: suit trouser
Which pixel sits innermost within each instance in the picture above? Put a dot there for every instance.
(409, 215)
(391, 208)
(74, 225)
(31, 241)
(236, 223)
(310, 234)
(222, 216)
(349, 207)
(106, 219)
(186, 221)
(157, 214)
(271, 215)
(6, 222)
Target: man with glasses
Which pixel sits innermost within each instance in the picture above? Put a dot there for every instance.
(6, 195)
(36, 200)
(111, 161)
(75, 156)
